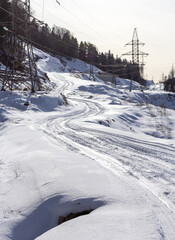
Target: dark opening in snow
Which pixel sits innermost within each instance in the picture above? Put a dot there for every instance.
(47, 215)
(73, 215)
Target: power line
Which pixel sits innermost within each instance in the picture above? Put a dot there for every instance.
(102, 37)
(123, 74)
(84, 24)
(114, 65)
(122, 65)
(32, 26)
(106, 29)
(54, 38)
(22, 20)
(60, 20)
(69, 44)
(42, 45)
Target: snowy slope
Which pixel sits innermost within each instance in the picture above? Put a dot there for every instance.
(86, 145)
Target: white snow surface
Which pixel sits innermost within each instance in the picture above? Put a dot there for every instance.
(86, 145)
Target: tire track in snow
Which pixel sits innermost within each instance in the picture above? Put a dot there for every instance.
(116, 166)
(138, 162)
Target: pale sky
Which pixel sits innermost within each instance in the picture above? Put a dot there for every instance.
(109, 24)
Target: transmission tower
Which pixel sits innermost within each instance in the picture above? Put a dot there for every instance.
(136, 53)
(20, 66)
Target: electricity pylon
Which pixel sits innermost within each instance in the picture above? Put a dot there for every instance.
(19, 50)
(136, 53)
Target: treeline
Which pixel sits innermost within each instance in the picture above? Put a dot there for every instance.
(61, 41)
(169, 81)
(5, 19)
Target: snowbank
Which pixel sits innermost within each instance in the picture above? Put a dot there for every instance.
(86, 145)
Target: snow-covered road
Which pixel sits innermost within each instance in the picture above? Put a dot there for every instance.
(152, 164)
(96, 151)
(140, 162)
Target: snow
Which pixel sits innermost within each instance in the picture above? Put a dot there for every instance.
(86, 145)
(2, 67)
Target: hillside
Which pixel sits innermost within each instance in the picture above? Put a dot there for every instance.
(85, 145)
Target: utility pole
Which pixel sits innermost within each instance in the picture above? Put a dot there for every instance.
(135, 52)
(20, 66)
(91, 72)
(130, 89)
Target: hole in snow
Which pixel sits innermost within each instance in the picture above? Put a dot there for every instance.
(73, 215)
(47, 215)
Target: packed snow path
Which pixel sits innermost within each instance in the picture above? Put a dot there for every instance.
(152, 164)
(149, 164)
(63, 158)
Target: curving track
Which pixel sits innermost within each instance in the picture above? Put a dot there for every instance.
(141, 163)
